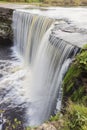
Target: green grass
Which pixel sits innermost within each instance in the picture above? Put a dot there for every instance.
(50, 2)
(75, 81)
(76, 116)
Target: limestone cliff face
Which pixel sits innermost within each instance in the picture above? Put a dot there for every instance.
(6, 35)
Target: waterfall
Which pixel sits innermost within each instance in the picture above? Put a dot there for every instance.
(48, 57)
(28, 32)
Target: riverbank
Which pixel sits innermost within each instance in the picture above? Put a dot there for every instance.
(46, 3)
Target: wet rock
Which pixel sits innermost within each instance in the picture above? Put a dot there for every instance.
(46, 126)
(1, 75)
(6, 34)
(12, 119)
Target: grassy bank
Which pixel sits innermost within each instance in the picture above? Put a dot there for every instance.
(50, 2)
(75, 81)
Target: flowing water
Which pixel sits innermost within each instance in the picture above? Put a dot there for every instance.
(32, 71)
(44, 55)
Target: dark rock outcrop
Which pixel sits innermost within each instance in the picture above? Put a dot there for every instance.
(6, 35)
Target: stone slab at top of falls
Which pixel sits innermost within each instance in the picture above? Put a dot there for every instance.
(71, 34)
(71, 25)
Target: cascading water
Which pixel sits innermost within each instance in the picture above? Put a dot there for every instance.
(29, 30)
(50, 57)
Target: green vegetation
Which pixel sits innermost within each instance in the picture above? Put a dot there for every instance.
(55, 118)
(75, 81)
(16, 125)
(23, 0)
(53, 2)
(75, 118)
(75, 90)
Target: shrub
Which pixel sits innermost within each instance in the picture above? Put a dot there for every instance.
(76, 117)
(82, 59)
(55, 118)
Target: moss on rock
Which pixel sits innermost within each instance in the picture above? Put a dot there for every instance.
(75, 81)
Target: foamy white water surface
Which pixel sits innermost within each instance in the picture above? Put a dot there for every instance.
(78, 15)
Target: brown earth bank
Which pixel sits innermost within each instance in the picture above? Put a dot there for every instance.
(66, 2)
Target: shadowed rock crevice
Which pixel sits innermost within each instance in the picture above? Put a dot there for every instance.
(6, 34)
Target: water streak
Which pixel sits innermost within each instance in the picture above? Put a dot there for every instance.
(29, 30)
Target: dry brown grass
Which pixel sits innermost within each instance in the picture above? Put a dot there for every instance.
(84, 2)
(66, 2)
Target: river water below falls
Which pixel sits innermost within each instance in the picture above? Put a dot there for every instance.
(12, 92)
